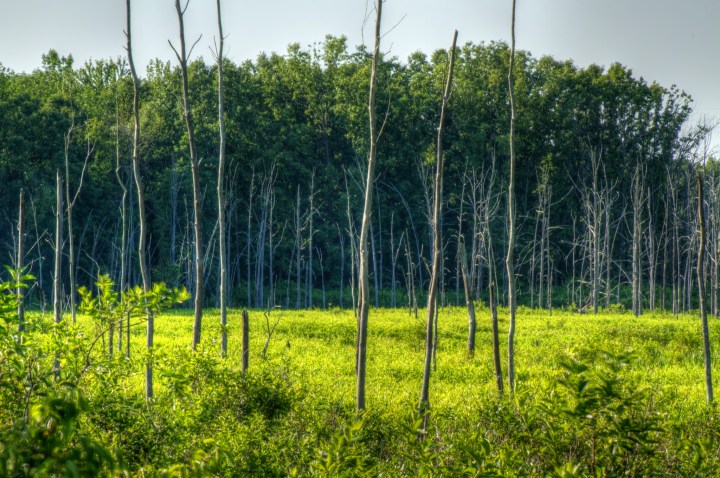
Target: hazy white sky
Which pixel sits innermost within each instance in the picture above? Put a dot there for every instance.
(669, 41)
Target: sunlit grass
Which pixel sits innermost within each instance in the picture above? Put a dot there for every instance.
(319, 347)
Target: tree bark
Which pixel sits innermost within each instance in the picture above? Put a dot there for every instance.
(20, 257)
(596, 221)
(341, 239)
(309, 284)
(248, 240)
(182, 57)
(637, 197)
(495, 332)
(245, 340)
(472, 323)
(652, 253)
(701, 291)
(144, 272)
(57, 279)
(363, 282)
(298, 247)
(220, 189)
(430, 332)
(606, 246)
(123, 204)
(510, 258)
(123, 218)
(68, 217)
(375, 266)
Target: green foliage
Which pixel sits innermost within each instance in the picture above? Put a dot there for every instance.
(584, 405)
(305, 111)
(40, 405)
(49, 442)
(340, 456)
(111, 307)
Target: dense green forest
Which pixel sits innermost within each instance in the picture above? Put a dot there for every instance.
(605, 164)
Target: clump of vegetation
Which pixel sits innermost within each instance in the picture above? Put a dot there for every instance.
(584, 406)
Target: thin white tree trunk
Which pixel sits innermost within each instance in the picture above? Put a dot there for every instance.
(431, 329)
(144, 272)
(20, 257)
(363, 282)
(182, 57)
(701, 292)
(510, 258)
(220, 189)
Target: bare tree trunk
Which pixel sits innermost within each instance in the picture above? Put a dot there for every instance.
(543, 232)
(131, 274)
(263, 227)
(676, 249)
(532, 265)
(495, 331)
(271, 250)
(652, 253)
(688, 274)
(298, 246)
(68, 217)
(322, 278)
(19, 264)
(182, 57)
(430, 333)
(379, 250)
(411, 288)
(510, 258)
(353, 252)
(341, 239)
(123, 204)
(144, 272)
(701, 292)
(220, 192)
(364, 284)
(57, 279)
(38, 236)
(393, 263)
(550, 275)
(714, 209)
(608, 258)
(573, 262)
(472, 323)
(245, 340)
(309, 282)
(70, 204)
(175, 183)
(637, 196)
(123, 218)
(546, 257)
(375, 265)
(665, 239)
(249, 240)
(475, 264)
(460, 253)
(596, 157)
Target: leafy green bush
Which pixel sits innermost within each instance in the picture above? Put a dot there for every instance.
(41, 404)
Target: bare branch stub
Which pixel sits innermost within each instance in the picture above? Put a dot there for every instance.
(193, 46)
(174, 50)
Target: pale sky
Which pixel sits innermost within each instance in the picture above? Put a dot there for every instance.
(668, 41)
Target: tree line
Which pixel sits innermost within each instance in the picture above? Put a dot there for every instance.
(604, 179)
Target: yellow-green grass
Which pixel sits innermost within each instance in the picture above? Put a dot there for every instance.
(318, 349)
(287, 411)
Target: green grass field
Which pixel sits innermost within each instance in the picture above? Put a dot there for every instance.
(309, 372)
(603, 395)
(318, 346)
